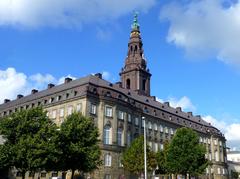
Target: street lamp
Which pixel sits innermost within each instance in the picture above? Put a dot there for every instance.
(145, 148)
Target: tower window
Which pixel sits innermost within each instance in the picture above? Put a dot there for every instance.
(135, 49)
(144, 85)
(128, 83)
(131, 48)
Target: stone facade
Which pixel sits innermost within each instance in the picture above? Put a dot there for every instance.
(117, 110)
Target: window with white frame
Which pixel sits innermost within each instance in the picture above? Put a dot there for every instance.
(220, 143)
(171, 131)
(155, 147)
(207, 171)
(61, 112)
(161, 128)
(216, 156)
(108, 111)
(129, 118)
(107, 135)
(150, 144)
(121, 115)
(166, 130)
(108, 160)
(210, 156)
(136, 121)
(93, 109)
(161, 146)
(54, 114)
(79, 107)
(209, 141)
(149, 125)
(223, 171)
(70, 110)
(215, 141)
(200, 139)
(120, 136)
(219, 171)
(155, 127)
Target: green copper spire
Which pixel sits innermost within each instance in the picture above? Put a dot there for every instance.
(135, 25)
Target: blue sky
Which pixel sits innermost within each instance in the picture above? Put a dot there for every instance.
(192, 49)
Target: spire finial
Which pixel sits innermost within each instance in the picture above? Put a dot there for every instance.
(135, 25)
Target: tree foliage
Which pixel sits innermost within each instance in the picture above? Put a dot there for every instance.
(185, 155)
(28, 135)
(161, 157)
(79, 143)
(133, 157)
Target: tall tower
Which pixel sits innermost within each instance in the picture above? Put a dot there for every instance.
(135, 75)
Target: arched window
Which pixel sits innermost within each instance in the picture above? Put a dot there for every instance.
(108, 160)
(120, 136)
(107, 135)
(128, 83)
(144, 85)
(135, 49)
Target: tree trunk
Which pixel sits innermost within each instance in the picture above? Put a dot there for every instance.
(23, 174)
(73, 171)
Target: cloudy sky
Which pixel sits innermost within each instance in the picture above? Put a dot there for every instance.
(192, 48)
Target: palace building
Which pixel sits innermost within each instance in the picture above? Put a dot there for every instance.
(118, 109)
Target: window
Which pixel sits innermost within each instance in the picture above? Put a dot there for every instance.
(108, 160)
(150, 144)
(120, 136)
(219, 171)
(210, 156)
(129, 118)
(144, 85)
(59, 98)
(93, 109)
(220, 143)
(166, 130)
(161, 146)
(70, 110)
(200, 139)
(107, 135)
(136, 121)
(108, 111)
(128, 83)
(161, 128)
(107, 176)
(79, 107)
(216, 156)
(215, 141)
(209, 141)
(54, 114)
(61, 112)
(207, 171)
(171, 131)
(129, 138)
(149, 125)
(120, 115)
(155, 127)
(155, 147)
(223, 171)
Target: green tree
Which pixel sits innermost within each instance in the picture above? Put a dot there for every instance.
(133, 157)
(28, 135)
(79, 143)
(185, 155)
(5, 164)
(161, 156)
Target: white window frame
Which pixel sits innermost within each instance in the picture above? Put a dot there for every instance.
(70, 110)
(155, 127)
(93, 108)
(79, 107)
(108, 111)
(120, 136)
(121, 115)
(54, 114)
(129, 118)
(149, 125)
(136, 121)
(161, 128)
(108, 160)
(61, 112)
(107, 135)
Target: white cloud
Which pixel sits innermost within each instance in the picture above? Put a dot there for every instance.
(106, 75)
(13, 83)
(184, 102)
(231, 130)
(205, 28)
(68, 13)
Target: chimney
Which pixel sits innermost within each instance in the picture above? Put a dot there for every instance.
(19, 96)
(6, 100)
(67, 80)
(189, 113)
(198, 116)
(154, 98)
(34, 91)
(50, 85)
(179, 109)
(119, 84)
(166, 103)
(99, 75)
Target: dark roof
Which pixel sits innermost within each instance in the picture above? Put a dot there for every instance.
(103, 83)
